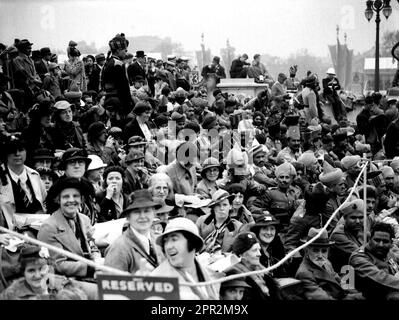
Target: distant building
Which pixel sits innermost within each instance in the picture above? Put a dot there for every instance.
(388, 67)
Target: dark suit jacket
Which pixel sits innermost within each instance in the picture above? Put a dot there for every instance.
(135, 70)
(108, 211)
(391, 142)
(41, 68)
(57, 232)
(133, 129)
(319, 284)
(326, 88)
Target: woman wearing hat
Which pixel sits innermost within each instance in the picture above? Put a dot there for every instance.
(233, 289)
(262, 286)
(38, 281)
(217, 228)
(40, 132)
(74, 67)
(272, 248)
(112, 200)
(67, 133)
(210, 173)
(180, 242)
(238, 209)
(135, 248)
(95, 171)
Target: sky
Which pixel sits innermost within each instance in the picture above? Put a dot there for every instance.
(276, 27)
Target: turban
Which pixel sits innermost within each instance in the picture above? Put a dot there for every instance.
(286, 167)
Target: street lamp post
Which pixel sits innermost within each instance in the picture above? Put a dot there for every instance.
(377, 6)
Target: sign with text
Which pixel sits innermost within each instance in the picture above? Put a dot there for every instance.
(115, 287)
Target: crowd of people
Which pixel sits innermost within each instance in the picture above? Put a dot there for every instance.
(193, 180)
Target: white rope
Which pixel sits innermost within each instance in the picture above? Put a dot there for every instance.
(64, 252)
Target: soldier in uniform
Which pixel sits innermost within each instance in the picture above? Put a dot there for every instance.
(292, 152)
(280, 201)
(376, 269)
(115, 81)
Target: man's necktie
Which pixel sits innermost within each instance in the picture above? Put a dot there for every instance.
(72, 224)
(22, 191)
(152, 251)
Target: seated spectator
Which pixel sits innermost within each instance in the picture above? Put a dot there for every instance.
(348, 236)
(23, 190)
(210, 172)
(318, 277)
(101, 144)
(262, 286)
(95, 172)
(272, 249)
(233, 289)
(375, 268)
(136, 175)
(217, 228)
(135, 249)
(180, 242)
(70, 230)
(37, 282)
(112, 200)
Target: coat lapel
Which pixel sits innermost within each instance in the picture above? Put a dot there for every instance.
(136, 244)
(65, 235)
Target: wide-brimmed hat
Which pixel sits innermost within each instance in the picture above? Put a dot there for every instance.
(322, 241)
(209, 163)
(134, 155)
(69, 183)
(136, 141)
(42, 154)
(96, 162)
(182, 224)
(219, 196)
(263, 221)
(235, 283)
(141, 199)
(73, 154)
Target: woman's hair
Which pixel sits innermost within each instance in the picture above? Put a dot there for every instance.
(110, 169)
(156, 178)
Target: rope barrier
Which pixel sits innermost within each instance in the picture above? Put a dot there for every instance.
(211, 282)
(65, 253)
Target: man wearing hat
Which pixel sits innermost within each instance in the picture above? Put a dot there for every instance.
(70, 230)
(334, 180)
(330, 92)
(350, 164)
(292, 152)
(135, 248)
(51, 80)
(239, 67)
(42, 65)
(24, 190)
(214, 69)
(280, 201)
(138, 68)
(319, 280)
(180, 242)
(114, 78)
(348, 236)
(258, 156)
(25, 75)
